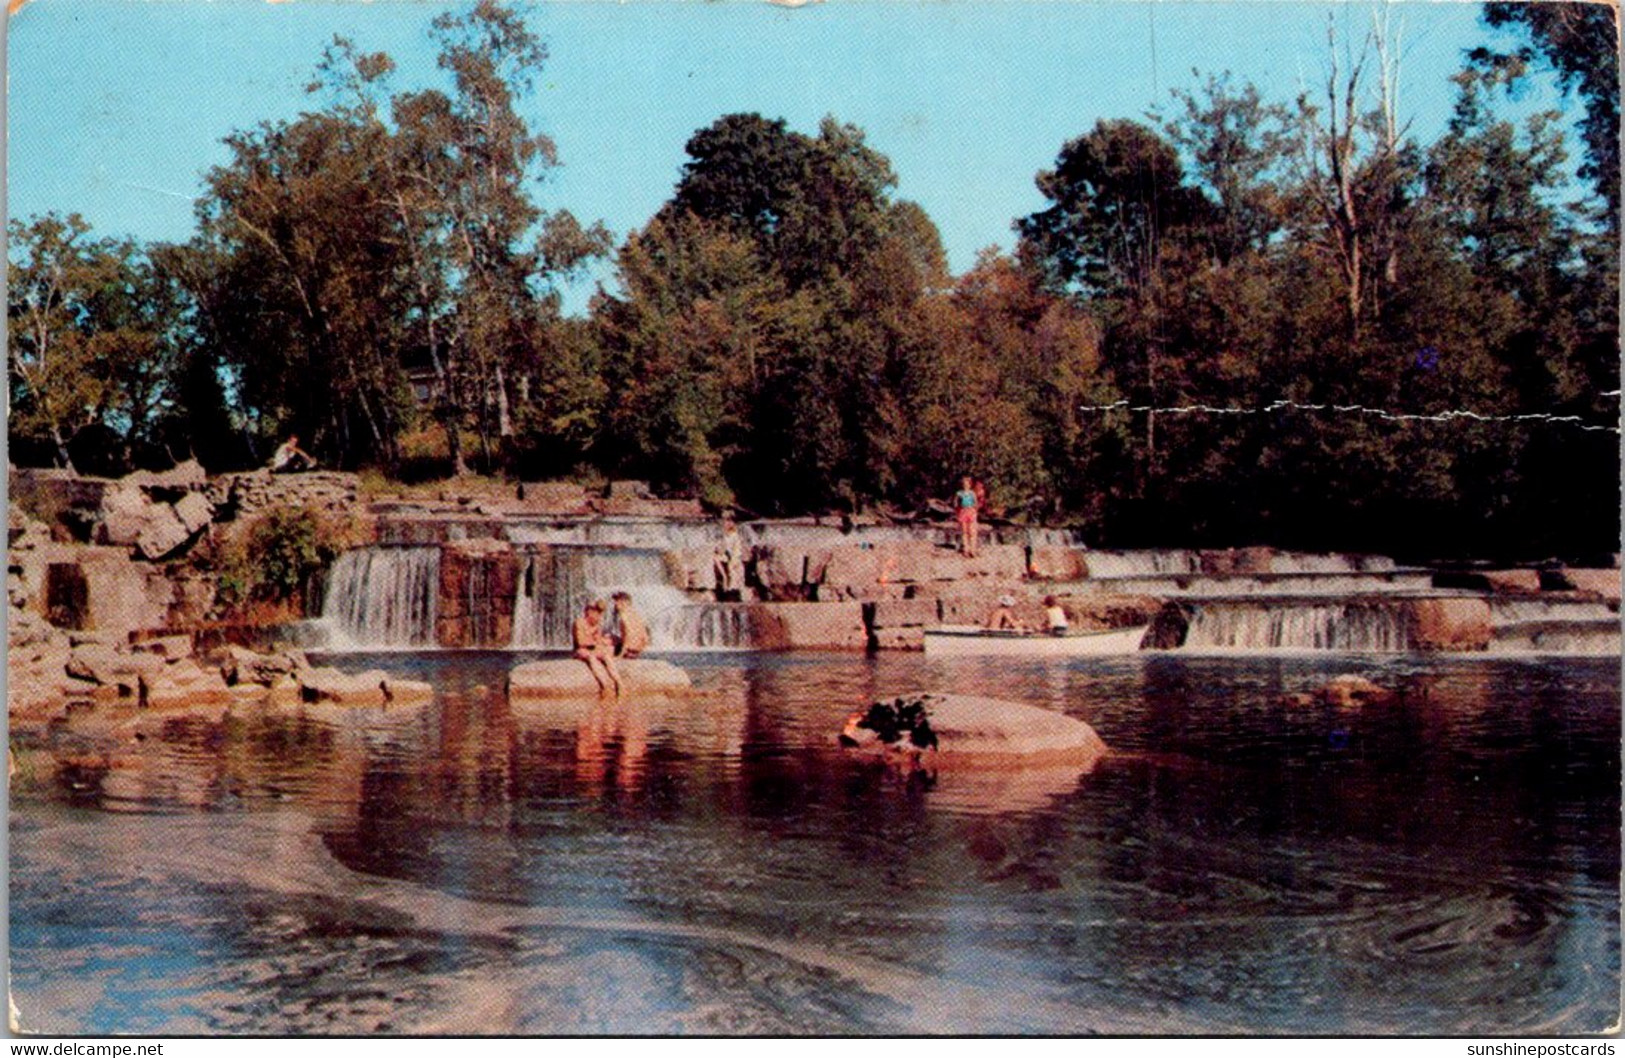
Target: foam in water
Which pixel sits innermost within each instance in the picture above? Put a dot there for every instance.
(380, 597)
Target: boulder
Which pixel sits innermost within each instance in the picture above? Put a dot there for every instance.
(186, 475)
(167, 647)
(163, 534)
(123, 516)
(241, 665)
(194, 511)
(1057, 563)
(110, 667)
(692, 568)
(1350, 690)
(808, 626)
(327, 684)
(1604, 582)
(184, 683)
(1455, 624)
(981, 732)
(569, 678)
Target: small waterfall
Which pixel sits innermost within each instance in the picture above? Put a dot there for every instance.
(1114, 564)
(1352, 626)
(380, 597)
(555, 585)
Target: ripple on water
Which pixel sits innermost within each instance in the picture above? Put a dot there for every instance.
(1448, 863)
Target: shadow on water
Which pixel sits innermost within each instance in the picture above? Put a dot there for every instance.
(1445, 862)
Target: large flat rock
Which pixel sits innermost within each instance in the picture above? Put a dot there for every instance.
(993, 732)
(569, 678)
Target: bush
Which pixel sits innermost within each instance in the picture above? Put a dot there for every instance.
(273, 560)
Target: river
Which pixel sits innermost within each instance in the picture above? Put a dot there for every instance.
(1444, 864)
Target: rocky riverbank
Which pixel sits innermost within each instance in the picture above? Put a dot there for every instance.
(114, 590)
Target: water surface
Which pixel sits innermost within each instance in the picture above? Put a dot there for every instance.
(1447, 863)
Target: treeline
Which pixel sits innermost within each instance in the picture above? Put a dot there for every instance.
(784, 335)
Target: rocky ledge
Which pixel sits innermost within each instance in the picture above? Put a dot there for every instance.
(569, 678)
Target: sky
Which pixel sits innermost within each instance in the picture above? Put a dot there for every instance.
(117, 108)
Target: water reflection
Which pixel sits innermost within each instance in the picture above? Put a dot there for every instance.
(1442, 861)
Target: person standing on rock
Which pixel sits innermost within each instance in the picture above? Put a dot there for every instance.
(634, 631)
(728, 561)
(1055, 616)
(965, 504)
(594, 646)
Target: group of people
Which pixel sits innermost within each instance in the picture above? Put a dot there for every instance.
(597, 645)
(1003, 618)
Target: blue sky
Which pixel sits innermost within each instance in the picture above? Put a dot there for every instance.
(117, 107)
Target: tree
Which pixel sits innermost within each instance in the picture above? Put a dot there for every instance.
(96, 335)
(1580, 42)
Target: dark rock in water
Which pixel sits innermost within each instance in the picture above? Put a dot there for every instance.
(952, 729)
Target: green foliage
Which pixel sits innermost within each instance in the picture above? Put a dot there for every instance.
(273, 561)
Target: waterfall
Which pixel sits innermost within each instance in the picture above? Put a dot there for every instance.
(1352, 626)
(379, 597)
(1113, 564)
(555, 585)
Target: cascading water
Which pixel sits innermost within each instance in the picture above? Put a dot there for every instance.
(382, 597)
(555, 585)
(1355, 627)
(1113, 564)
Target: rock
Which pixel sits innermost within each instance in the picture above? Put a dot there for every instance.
(987, 732)
(167, 647)
(194, 511)
(1057, 563)
(630, 490)
(1512, 581)
(327, 684)
(808, 626)
(1236, 561)
(1604, 582)
(163, 534)
(784, 571)
(555, 497)
(123, 516)
(1349, 690)
(241, 665)
(184, 683)
(109, 667)
(692, 568)
(400, 692)
(569, 678)
(186, 475)
(1456, 624)
(906, 638)
(103, 589)
(905, 613)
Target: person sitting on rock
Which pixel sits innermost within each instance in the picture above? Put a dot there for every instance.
(1003, 617)
(634, 631)
(594, 646)
(289, 458)
(1055, 616)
